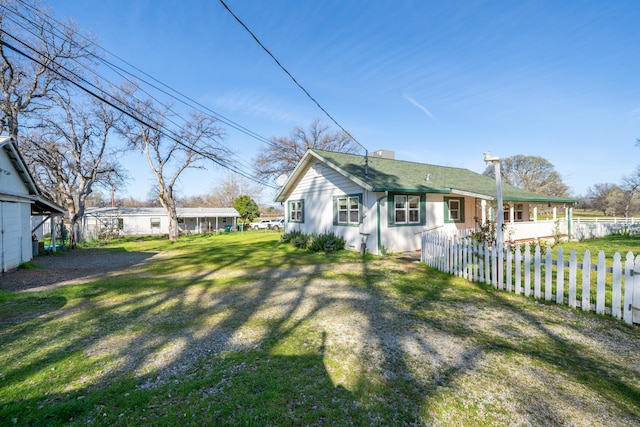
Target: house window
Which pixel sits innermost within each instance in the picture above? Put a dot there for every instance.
(407, 209)
(155, 223)
(454, 209)
(296, 210)
(518, 212)
(347, 209)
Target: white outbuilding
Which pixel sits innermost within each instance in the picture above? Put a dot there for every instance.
(149, 221)
(20, 198)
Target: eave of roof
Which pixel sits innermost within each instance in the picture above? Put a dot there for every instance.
(388, 175)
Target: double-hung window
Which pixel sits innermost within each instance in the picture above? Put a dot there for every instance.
(347, 209)
(406, 209)
(454, 209)
(296, 210)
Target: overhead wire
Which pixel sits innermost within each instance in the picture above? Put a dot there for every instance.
(182, 98)
(124, 111)
(286, 71)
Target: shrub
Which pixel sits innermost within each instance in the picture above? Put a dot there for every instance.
(327, 242)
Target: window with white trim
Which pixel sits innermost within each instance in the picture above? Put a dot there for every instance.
(296, 210)
(347, 209)
(454, 209)
(406, 209)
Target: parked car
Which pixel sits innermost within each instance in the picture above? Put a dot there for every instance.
(277, 224)
(263, 224)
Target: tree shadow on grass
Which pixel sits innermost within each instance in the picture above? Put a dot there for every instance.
(286, 344)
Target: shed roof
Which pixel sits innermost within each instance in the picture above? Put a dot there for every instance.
(381, 174)
(39, 204)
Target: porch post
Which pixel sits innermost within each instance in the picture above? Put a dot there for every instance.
(53, 233)
(511, 214)
(483, 204)
(555, 213)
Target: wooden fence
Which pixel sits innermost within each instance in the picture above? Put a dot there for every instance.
(606, 289)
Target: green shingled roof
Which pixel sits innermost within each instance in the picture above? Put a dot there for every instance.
(403, 176)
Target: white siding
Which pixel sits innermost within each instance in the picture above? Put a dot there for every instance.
(10, 182)
(15, 241)
(319, 185)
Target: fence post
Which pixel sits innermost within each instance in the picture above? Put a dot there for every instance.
(616, 286)
(518, 289)
(600, 284)
(537, 278)
(560, 278)
(509, 267)
(573, 266)
(586, 281)
(548, 274)
(487, 265)
(628, 289)
(527, 269)
(494, 265)
(635, 309)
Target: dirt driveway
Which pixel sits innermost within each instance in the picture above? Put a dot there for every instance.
(70, 267)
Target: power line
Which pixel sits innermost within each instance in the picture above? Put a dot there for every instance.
(169, 92)
(290, 75)
(125, 110)
(119, 108)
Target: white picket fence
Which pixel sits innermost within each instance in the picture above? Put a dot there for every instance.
(520, 271)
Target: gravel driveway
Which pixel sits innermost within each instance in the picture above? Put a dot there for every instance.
(70, 267)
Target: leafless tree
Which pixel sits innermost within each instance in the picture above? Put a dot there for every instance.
(169, 153)
(229, 189)
(531, 173)
(631, 188)
(284, 153)
(70, 153)
(38, 56)
(605, 197)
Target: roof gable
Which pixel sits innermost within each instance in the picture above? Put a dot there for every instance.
(11, 151)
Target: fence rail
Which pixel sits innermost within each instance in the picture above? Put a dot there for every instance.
(563, 278)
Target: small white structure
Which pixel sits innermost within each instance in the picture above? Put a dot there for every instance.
(149, 221)
(19, 199)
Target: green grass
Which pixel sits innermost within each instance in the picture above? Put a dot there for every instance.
(237, 329)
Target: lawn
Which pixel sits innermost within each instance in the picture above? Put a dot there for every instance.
(239, 330)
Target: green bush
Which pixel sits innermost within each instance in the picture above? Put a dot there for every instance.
(327, 242)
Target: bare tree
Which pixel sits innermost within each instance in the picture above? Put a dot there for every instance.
(168, 153)
(605, 197)
(70, 153)
(531, 173)
(284, 153)
(55, 54)
(224, 194)
(631, 189)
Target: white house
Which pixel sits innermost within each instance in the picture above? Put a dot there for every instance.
(20, 198)
(382, 204)
(149, 221)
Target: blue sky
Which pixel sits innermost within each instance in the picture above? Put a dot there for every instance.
(435, 81)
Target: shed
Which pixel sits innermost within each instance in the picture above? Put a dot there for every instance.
(20, 198)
